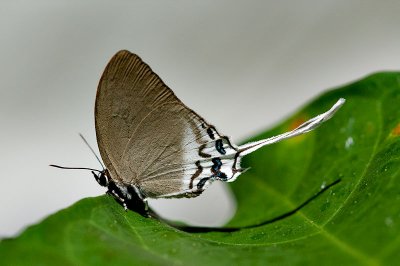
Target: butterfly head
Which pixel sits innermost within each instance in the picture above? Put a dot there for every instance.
(102, 177)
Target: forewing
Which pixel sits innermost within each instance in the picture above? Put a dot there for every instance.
(128, 90)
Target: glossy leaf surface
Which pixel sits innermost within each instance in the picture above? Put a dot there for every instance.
(357, 222)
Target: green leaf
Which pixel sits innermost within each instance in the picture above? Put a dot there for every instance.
(357, 222)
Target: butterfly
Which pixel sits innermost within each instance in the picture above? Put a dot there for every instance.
(154, 146)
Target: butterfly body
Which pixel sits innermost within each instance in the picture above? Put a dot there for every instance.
(154, 146)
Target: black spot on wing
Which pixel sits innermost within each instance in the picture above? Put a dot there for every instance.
(196, 174)
(202, 182)
(201, 153)
(219, 145)
(216, 169)
(216, 164)
(210, 133)
(221, 176)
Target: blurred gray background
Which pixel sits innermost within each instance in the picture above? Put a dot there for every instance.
(269, 56)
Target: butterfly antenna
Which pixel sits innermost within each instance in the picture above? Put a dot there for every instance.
(98, 159)
(75, 168)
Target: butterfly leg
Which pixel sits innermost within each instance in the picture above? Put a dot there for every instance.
(146, 205)
(129, 196)
(137, 201)
(119, 193)
(118, 198)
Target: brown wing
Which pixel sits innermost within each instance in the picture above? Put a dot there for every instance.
(127, 92)
(147, 136)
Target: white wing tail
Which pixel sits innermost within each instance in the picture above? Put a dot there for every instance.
(307, 126)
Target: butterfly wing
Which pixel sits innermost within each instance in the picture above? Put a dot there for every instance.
(148, 138)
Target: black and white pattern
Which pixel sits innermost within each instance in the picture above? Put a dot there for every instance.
(154, 146)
